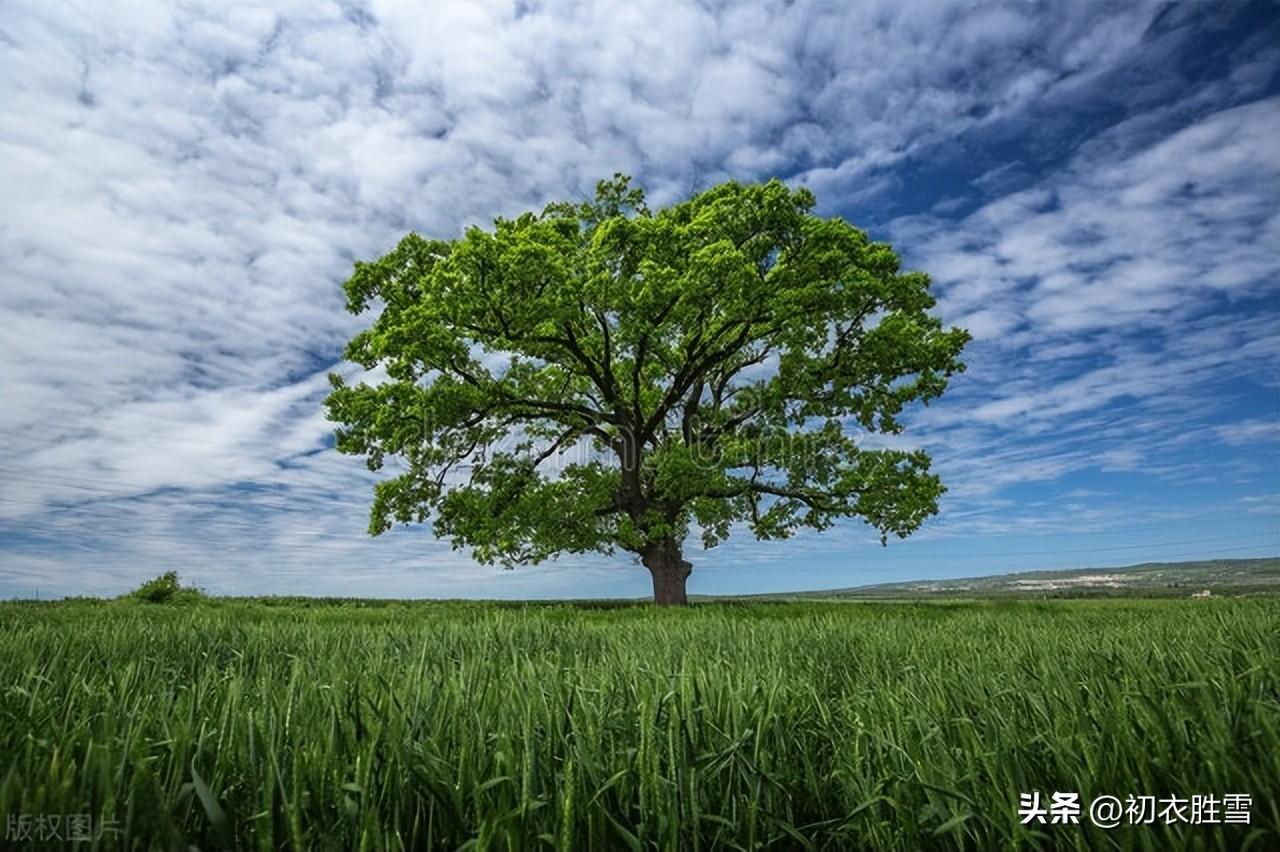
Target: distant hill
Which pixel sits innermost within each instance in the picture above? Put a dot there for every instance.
(1150, 579)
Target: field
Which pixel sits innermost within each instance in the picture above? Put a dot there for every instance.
(790, 726)
(1149, 580)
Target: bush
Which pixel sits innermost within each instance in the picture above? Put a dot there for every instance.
(166, 589)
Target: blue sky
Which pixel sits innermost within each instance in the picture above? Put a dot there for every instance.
(1095, 189)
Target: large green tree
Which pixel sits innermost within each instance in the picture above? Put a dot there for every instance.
(599, 376)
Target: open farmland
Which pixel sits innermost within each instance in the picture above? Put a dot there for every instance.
(1236, 577)
(830, 726)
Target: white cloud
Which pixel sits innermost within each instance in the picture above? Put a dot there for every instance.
(186, 186)
(1248, 431)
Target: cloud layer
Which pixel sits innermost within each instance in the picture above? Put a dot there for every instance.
(1093, 189)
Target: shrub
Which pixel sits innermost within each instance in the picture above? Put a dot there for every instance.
(166, 589)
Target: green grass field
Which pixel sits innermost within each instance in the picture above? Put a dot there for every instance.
(791, 726)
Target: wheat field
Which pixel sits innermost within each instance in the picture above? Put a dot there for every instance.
(292, 725)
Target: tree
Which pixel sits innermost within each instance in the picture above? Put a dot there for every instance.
(598, 377)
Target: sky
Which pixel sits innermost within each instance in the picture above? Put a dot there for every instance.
(1094, 188)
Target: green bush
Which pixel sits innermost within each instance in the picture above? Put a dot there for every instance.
(166, 589)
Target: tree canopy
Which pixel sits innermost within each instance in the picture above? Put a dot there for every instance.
(599, 376)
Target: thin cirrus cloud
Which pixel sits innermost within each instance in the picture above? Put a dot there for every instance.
(1092, 188)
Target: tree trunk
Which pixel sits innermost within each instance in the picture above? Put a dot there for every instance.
(670, 570)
